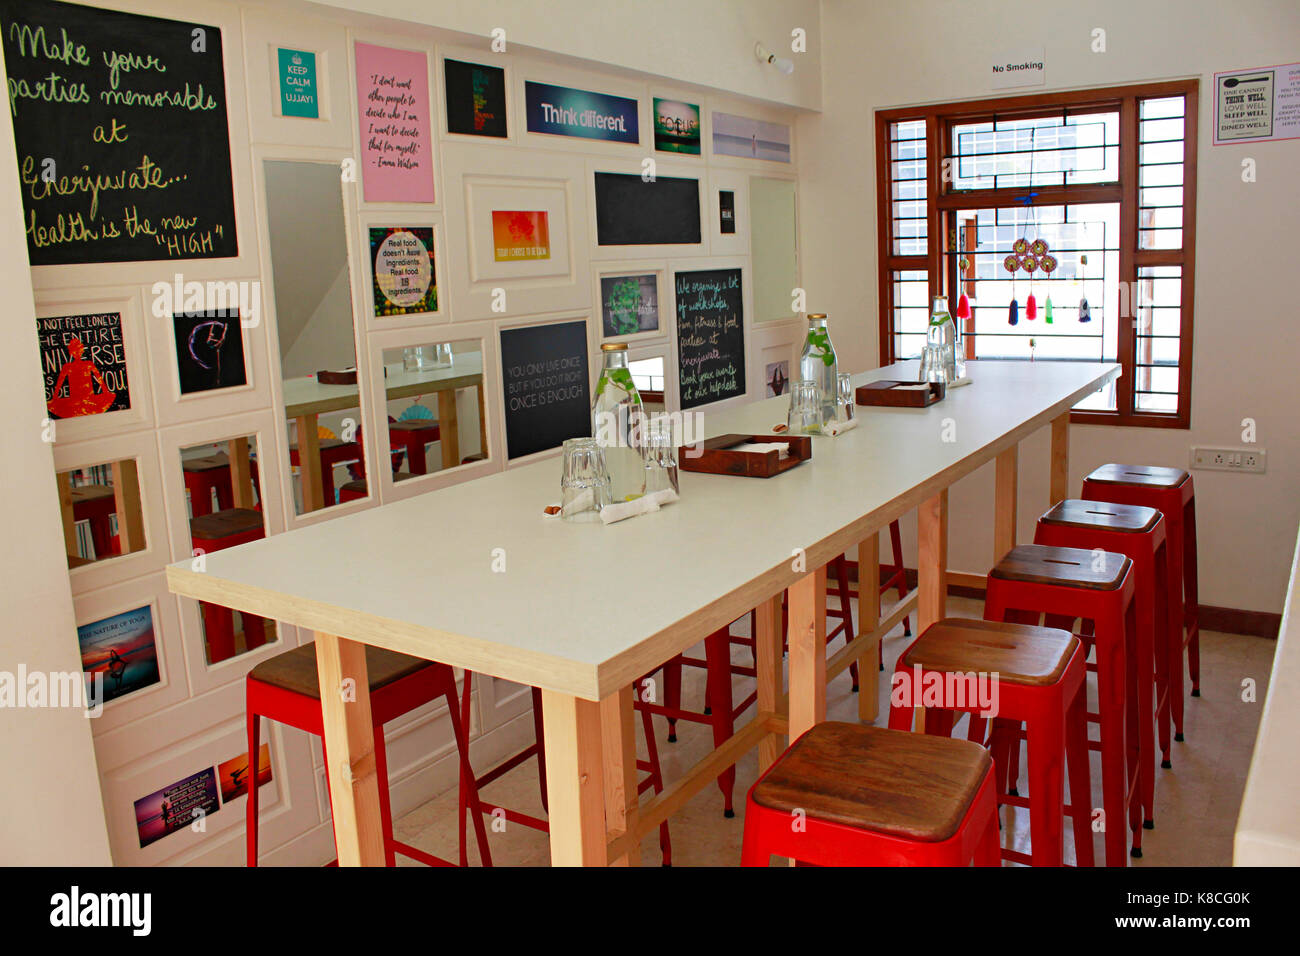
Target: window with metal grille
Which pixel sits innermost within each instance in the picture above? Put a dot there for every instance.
(1067, 221)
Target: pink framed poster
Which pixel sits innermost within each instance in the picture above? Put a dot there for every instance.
(394, 111)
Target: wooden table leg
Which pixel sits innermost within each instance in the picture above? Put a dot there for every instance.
(448, 431)
(932, 569)
(868, 621)
(64, 480)
(313, 491)
(618, 743)
(241, 474)
(126, 499)
(482, 422)
(1060, 475)
(807, 652)
(1004, 505)
(767, 660)
(575, 779)
(350, 750)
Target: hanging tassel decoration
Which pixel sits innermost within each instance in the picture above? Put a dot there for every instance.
(1047, 310)
(1013, 313)
(1084, 314)
(963, 307)
(1031, 307)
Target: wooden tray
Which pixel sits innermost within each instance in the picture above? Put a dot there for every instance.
(347, 376)
(717, 460)
(886, 392)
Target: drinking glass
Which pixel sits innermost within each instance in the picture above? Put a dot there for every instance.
(660, 456)
(805, 408)
(584, 483)
(846, 403)
(932, 364)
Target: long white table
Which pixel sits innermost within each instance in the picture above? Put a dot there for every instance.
(582, 611)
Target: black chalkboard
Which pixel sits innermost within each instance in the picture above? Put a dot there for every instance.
(710, 336)
(633, 212)
(545, 378)
(121, 133)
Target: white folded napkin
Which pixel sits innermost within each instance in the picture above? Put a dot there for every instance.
(763, 447)
(637, 506)
(839, 428)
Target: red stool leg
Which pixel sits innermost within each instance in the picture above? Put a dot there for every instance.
(540, 736)
(1191, 597)
(385, 807)
(673, 693)
(1076, 756)
(251, 809)
(1168, 648)
(1112, 683)
(468, 788)
(1046, 786)
(219, 629)
(841, 567)
(656, 782)
(717, 652)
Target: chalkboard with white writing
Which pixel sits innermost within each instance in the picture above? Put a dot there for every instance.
(710, 336)
(544, 373)
(121, 134)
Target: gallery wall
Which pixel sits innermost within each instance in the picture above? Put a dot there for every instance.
(177, 734)
(1246, 340)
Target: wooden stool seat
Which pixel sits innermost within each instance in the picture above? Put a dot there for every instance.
(1017, 653)
(1071, 567)
(1102, 516)
(1146, 476)
(295, 670)
(358, 488)
(226, 523)
(206, 462)
(912, 786)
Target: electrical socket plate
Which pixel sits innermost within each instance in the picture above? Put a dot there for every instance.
(1251, 460)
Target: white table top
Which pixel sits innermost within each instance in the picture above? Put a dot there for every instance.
(1268, 827)
(307, 396)
(585, 609)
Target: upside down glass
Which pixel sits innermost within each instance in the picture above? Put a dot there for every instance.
(844, 409)
(660, 457)
(584, 482)
(806, 415)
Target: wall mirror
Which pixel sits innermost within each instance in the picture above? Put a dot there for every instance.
(101, 510)
(307, 234)
(774, 244)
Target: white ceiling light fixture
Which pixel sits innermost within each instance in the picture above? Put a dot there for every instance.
(764, 55)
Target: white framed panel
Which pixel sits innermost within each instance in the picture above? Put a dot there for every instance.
(265, 33)
(375, 217)
(172, 686)
(631, 268)
(663, 167)
(141, 448)
(753, 389)
(484, 56)
(737, 183)
(485, 180)
(259, 426)
(135, 349)
(484, 335)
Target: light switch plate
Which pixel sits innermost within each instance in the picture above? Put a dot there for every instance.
(1252, 460)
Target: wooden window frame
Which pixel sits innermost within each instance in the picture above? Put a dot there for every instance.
(942, 205)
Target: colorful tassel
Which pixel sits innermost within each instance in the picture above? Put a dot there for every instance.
(1013, 313)
(1085, 315)
(1047, 310)
(963, 307)
(1031, 307)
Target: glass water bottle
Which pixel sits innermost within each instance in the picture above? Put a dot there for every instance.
(618, 423)
(817, 364)
(941, 340)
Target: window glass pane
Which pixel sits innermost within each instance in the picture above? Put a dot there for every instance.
(907, 187)
(911, 295)
(1160, 173)
(1157, 309)
(1045, 151)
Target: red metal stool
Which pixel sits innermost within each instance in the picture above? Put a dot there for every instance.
(1169, 491)
(653, 781)
(865, 796)
(1139, 533)
(332, 452)
(217, 531)
(413, 435)
(358, 488)
(96, 504)
(1098, 587)
(1038, 675)
(206, 475)
(286, 688)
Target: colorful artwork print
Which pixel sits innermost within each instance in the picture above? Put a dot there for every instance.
(750, 138)
(677, 127)
(629, 304)
(562, 111)
(123, 649)
(233, 773)
(209, 350)
(519, 235)
(176, 806)
(298, 96)
(404, 279)
(476, 98)
(393, 110)
(83, 361)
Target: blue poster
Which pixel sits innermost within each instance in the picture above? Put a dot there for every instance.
(565, 112)
(298, 95)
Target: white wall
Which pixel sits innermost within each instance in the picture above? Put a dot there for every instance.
(1246, 339)
(48, 748)
(704, 42)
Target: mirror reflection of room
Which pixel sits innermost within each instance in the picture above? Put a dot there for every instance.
(222, 485)
(102, 516)
(314, 320)
(435, 398)
(648, 375)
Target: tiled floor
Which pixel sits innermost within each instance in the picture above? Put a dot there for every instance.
(1196, 802)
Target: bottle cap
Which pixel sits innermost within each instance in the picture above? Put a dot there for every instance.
(816, 315)
(613, 346)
